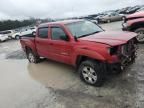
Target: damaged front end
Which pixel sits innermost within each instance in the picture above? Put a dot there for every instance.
(126, 54)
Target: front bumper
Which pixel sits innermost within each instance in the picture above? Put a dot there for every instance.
(125, 58)
(120, 66)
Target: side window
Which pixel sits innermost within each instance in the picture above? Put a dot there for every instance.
(43, 32)
(58, 34)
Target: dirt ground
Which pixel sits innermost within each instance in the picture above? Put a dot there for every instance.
(54, 85)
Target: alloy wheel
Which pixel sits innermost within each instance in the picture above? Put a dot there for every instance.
(140, 36)
(31, 58)
(89, 74)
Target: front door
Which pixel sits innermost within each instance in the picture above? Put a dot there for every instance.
(60, 45)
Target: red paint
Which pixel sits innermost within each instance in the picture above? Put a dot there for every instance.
(133, 20)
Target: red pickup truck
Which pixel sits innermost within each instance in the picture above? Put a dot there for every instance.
(84, 45)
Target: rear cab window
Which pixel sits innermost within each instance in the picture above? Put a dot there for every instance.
(43, 32)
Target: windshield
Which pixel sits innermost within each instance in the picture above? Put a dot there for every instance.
(83, 28)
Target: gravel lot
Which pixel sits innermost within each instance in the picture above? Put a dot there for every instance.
(54, 85)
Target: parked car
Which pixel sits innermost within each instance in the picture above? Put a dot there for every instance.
(92, 20)
(84, 45)
(135, 23)
(132, 10)
(141, 9)
(123, 10)
(111, 17)
(25, 32)
(9, 33)
(3, 37)
(98, 18)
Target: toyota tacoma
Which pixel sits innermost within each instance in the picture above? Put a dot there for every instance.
(86, 46)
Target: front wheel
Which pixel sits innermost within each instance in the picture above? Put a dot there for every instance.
(92, 72)
(32, 57)
(140, 37)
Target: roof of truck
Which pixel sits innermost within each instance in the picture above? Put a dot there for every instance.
(60, 22)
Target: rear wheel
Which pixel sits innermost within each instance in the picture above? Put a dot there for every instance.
(17, 37)
(92, 72)
(140, 37)
(32, 57)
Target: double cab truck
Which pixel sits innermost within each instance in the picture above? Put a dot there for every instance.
(135, 23)
(86, 46)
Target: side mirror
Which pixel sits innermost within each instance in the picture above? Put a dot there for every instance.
(34, 34)
(65, 38)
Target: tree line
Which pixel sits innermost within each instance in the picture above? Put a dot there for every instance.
(13, 24)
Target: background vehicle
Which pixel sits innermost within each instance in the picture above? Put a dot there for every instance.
(111, 17)
(135, 23)
(132, 10)
(98, 18)
(141, 9)
(9, 33)
(84, 45)
(90, 18)
(24, 32)
(3, 37)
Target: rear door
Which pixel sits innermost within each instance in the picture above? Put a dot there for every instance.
(42, 41)
(60, 45)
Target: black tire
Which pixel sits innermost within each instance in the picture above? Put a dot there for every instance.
(138, 31)
(17, 37)
(99, 72)
(29, 54)
(122, 18)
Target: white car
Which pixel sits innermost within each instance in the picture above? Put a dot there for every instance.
(3, 37)
(8, 33)
(25, 32)
(16, 35)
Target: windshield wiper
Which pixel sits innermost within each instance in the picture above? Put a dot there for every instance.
(89, 34)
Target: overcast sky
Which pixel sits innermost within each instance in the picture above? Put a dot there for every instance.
(20, 9)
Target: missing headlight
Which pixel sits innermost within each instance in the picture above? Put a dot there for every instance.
(113, 50)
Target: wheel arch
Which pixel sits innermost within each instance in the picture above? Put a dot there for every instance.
(81, 58)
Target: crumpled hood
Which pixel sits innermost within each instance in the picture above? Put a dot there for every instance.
(111, 38)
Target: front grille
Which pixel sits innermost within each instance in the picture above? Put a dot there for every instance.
(128, 53)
